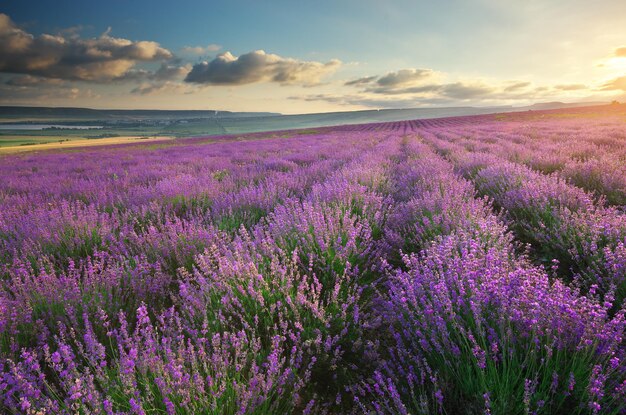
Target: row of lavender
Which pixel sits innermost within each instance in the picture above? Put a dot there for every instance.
(351, 271)
(574, 223)
(74, 259)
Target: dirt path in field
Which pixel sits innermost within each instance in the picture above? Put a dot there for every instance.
(82, 143)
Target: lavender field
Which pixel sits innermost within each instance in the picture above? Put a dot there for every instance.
(457, 265)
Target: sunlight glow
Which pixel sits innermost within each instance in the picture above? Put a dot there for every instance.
(616, 65)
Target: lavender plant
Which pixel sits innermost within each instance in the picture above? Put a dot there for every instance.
(395, 268)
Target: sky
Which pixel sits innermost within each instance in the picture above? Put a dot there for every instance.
(302, 56)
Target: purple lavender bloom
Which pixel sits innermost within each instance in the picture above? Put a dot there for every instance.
(455, 265)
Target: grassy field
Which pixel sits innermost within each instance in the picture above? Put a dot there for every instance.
(26, 140)
(18, 145)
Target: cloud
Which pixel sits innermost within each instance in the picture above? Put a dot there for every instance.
(394, 82)
(463, 91)
(361, 81)
(201, 50)
(67, 56)
(168, 72)
(405, 77)
(162, 87)
(457, 90)
(427, 86)
(258, 66)
(400, 91)
(26, 90)
(403, 81)
(570, 87)
(621, 52)
(33, 81)
(616, 84)
(165, 79)
(517, 86)
(409, 89)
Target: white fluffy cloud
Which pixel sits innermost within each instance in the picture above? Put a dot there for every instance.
(67, 56)
(418, 87)
(258, 66)
(405, 77)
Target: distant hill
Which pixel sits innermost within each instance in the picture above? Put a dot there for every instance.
(84, 114)
(69, 113)
(205, 122)
(557, 105)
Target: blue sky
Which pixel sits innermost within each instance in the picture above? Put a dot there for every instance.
(479, 52)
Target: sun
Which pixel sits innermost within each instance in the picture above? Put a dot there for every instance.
(616, 64)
